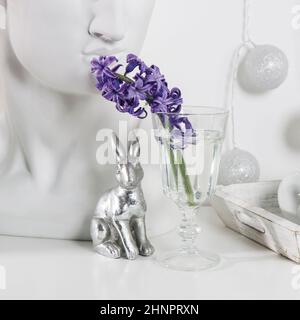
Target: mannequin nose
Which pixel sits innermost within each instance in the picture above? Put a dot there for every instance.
(109, 20)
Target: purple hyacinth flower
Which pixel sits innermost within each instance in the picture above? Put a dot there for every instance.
(156, 79)
(136, 90)
(175, 97)
(147, 85)
(133, 96)
(133, 62)
(111, 90)
(99, 64)
(101, 68)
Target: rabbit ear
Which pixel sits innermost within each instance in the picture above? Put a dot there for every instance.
(134, 148)
(118, 148)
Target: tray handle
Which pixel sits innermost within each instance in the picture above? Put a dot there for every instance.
(250, 222)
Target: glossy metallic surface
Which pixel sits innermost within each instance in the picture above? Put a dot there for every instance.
(118, 227)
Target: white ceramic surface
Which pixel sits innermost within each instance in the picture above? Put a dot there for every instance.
(49, 178)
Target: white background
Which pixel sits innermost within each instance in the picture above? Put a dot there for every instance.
(193, 42)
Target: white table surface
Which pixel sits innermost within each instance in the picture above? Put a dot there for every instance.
(55, 269)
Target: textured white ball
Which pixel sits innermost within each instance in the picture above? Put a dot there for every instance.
(289, 195)
(238, 166)
(264, 68)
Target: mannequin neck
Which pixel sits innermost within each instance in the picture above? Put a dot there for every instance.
(48, 126)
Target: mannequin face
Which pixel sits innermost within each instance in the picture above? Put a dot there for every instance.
(55, 40)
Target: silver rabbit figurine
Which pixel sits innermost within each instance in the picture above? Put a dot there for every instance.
(118, 226)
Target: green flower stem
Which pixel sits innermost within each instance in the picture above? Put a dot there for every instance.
(124, 78)
(182, 169)
(173, 165)
(186, 179)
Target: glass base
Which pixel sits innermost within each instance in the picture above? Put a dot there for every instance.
(182, 260)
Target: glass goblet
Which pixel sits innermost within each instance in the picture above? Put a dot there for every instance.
(190, 146)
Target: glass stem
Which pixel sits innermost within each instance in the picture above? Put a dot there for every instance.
(188, 230)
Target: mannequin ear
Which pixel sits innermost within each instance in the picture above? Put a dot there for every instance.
(2, 14)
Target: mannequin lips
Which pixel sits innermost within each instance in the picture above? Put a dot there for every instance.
(100, 48)
(104, 52)
(90, 56)
(120, 53)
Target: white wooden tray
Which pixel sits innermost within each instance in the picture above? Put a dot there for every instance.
(252, 210)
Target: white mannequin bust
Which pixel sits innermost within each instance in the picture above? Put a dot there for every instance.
(49, 178)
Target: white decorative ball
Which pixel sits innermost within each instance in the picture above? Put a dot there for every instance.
(264, 68)
(238, 166)
(289, 196)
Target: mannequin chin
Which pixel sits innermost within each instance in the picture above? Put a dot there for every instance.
(50, 180)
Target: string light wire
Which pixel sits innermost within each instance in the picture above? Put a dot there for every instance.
(237, 57)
